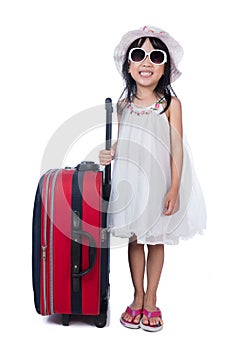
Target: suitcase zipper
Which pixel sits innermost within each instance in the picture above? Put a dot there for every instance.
(51, 240)
(44, 246)
(44, 277)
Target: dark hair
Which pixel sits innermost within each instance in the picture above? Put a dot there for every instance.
(163, 87)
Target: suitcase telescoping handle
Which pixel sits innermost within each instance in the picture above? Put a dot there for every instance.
(107, 173)
(109, 110)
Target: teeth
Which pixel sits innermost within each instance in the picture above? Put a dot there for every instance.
(145, 74)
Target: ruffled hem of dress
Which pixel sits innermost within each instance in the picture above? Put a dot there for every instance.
(141, 239)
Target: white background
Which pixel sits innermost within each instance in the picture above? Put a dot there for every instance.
(56, 60)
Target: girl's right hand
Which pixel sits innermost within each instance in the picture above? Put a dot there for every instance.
(106, 156)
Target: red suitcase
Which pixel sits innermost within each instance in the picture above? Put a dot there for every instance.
(71, 242)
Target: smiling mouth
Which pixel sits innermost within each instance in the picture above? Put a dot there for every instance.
(145, 73)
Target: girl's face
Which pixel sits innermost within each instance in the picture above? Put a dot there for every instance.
(145, 73)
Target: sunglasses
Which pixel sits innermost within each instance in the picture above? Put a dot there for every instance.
(138, 55)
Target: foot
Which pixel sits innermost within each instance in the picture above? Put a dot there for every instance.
(134, 314)
(129, 316)
(152, 318)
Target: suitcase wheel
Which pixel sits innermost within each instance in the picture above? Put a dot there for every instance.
(100, 321)
(66, 319)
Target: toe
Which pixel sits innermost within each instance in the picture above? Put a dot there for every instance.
(153, 322)
(145, 320)
(123, 316)
(137, 319)
(126, 317)
(129, 318)
(157, 321)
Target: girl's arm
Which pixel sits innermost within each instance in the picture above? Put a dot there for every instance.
(171, 204)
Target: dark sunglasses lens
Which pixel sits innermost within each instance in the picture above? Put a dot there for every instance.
(137, 55)
(157, 57)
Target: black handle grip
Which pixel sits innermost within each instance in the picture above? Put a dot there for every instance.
(77, 235)
(92, 254)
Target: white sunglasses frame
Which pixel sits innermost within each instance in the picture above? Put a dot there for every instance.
(147, 54)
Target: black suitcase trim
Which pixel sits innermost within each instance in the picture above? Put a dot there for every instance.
(36, 243)
(76, 248)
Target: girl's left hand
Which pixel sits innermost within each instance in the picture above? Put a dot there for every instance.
(172, 202)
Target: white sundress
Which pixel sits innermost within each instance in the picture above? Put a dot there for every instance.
(141, 179)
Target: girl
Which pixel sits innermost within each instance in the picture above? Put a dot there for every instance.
(155, 197)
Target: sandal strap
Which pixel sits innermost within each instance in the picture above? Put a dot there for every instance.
(150, 314)
(133, 313)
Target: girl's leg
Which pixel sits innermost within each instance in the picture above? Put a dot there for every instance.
(155, 260)
(136, 256)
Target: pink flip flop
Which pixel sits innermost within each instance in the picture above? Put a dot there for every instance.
(148, 314)
(132, 313)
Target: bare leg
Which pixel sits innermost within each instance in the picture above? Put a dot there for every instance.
(136, 257)
(155, 260)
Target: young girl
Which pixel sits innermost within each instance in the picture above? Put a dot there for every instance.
(155, 198)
